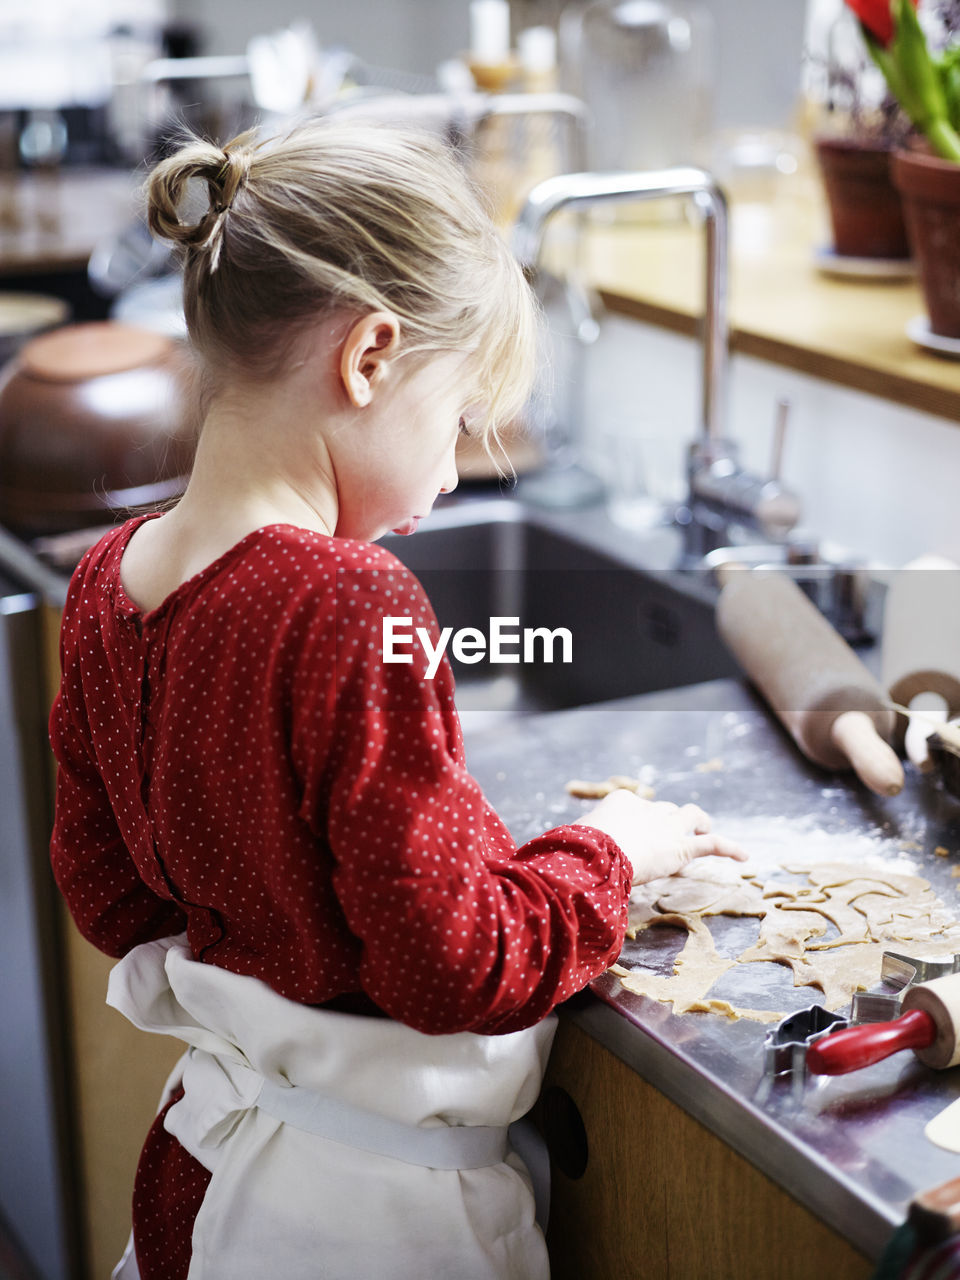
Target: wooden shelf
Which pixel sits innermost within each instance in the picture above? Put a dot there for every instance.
(782, 309)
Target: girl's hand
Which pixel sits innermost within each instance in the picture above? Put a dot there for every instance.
(658, 837)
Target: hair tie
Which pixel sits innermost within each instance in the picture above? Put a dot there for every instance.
(232, 177)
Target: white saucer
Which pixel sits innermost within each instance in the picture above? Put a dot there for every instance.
(831, 263)
(919, 331)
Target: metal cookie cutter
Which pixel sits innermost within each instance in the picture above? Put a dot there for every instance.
(898, 971)
(785, 1047)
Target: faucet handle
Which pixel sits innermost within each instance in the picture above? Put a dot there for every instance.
(779, 436)
(583, 306)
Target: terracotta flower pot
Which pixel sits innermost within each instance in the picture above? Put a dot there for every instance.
(930, 188)
(866, 212)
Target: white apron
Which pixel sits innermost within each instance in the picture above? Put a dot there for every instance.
(336, 1141)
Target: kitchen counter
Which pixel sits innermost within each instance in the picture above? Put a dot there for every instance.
(782, 309)
(851, 1149)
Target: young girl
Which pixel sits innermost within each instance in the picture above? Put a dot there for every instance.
(271, 825)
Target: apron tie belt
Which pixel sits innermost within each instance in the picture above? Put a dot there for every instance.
(439, 1147)
(218, 1092)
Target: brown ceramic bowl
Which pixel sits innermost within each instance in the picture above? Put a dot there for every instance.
(96, 421)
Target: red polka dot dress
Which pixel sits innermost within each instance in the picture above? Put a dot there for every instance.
(241, 763)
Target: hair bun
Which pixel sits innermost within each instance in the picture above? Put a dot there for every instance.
(225, 171)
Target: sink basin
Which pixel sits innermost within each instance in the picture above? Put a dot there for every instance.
(633, 629)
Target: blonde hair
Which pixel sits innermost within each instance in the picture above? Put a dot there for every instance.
(336, 215)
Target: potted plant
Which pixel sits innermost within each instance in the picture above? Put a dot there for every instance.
(927, 86)
(863, 126)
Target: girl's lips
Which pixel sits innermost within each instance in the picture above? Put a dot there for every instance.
(408, 526)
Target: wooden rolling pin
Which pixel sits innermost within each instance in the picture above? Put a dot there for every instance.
(832, 706)
(930, 1026)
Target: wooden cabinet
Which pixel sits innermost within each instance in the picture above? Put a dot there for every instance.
(117, 1075)
(660, 1197)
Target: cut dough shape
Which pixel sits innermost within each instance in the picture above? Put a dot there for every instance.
(830, 874)
(784, 935)
(734, 1012)
(715, 765)
(696, 968)
(944, 1129)
(585, 790)
(839, 974)
(711, 898)
(869, 910)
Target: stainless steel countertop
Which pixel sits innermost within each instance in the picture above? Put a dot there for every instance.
(851, 1148)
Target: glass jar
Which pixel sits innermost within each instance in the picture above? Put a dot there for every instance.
(647, 74)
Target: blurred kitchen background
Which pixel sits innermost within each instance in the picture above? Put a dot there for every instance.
(88, 93)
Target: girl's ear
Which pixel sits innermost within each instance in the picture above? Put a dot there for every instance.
(367, 355)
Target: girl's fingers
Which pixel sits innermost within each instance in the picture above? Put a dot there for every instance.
(702, 846)
(696, 818)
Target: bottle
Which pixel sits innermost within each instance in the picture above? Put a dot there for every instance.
(647, 71)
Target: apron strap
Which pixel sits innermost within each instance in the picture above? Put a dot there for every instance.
(439, 1147)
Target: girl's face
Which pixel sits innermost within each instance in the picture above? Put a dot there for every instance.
(403, 450)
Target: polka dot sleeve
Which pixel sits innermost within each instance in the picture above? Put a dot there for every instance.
(460, 929)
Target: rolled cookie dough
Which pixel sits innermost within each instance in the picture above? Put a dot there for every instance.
(830, 930)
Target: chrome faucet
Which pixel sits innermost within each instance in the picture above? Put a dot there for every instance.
(720, 492)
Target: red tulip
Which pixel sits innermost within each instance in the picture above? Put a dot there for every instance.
(876, 17)
(922, 84)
